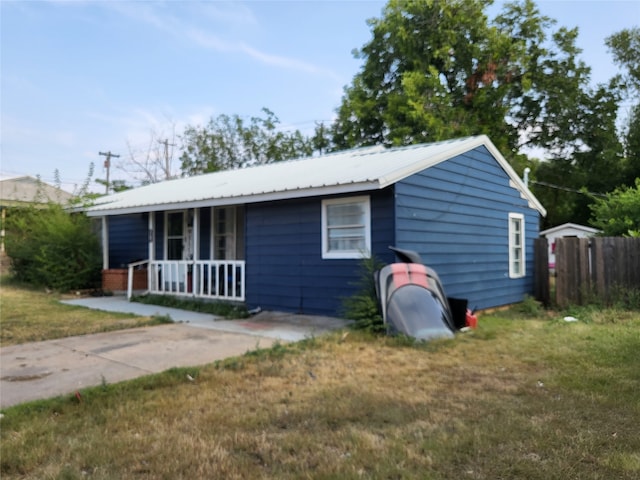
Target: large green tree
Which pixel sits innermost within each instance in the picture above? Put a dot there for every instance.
(595, 164)
(605, 158)
(228, 142)
(440, 69)
(625, 48)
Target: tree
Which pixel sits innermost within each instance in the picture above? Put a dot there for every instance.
(150, 164)
(619, 212)
(434, 70)
(228, 142)
(632, 146)
(321, 139)
(625, 48)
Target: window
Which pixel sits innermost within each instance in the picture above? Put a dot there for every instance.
(174, 235)
(346, 228)
(516, 245)
(224, 233)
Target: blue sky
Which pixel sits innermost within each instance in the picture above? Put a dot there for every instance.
(81, 77)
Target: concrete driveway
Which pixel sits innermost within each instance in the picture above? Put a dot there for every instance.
(55, 367)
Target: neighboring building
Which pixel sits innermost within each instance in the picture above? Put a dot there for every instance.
(25, 191)
(561, 231)
(291, 235)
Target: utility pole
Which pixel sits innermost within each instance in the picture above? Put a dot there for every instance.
(107, 165)
(167, 166)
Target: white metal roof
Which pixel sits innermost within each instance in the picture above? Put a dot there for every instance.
(370, 168)
(569, 226)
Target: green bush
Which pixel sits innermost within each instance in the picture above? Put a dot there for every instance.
(227, 310)
(53, 248)
(362, 307)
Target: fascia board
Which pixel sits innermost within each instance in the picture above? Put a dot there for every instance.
(106, 210)
(528, 194)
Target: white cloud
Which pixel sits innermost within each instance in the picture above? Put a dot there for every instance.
(228, 12)
(224, 14)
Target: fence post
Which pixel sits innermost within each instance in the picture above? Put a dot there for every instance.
(541, 271)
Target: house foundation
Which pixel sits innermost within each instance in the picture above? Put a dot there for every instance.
(115, 279)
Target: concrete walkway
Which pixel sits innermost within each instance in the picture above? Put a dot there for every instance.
(57, 367)
(288, 327)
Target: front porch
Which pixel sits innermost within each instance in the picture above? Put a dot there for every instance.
(196, 252)
(206, 279)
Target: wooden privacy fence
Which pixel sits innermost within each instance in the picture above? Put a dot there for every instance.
(597, 268)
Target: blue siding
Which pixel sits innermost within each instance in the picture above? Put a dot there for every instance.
(285, 269)
(127, 239)
(456, 215)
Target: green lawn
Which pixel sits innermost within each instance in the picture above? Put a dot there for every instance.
(521, 397)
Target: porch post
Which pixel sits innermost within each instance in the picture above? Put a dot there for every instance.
(152, 250)
(195, 275)
(196, 233)
(105, 243)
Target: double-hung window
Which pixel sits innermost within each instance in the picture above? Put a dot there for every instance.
(516, 245)
(346, 227)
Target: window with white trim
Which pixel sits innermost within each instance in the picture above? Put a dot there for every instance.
(224, 233)
(516, 245)
(346, 227)
(174, 238)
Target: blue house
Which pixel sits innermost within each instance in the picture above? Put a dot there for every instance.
(290, 236)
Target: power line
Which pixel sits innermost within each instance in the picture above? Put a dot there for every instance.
(566, 189)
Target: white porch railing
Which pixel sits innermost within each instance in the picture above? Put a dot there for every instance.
(213, 279)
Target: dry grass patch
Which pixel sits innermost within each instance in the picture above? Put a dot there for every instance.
(513, 400)
(29, 315)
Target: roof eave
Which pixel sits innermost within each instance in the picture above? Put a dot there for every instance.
(527, 194)
(105, 210)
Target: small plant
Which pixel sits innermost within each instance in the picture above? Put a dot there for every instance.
(103, 383)
(161, 319)
(362, 307)
(529, 307)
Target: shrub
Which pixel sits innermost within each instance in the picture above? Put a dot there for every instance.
(53, 248)
(362, 307)
(529, 307)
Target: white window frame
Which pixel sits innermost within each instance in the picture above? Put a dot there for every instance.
(181, 237)
(365, 201)
(230, 232)
(514, 247)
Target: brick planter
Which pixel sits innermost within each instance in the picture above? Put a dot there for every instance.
(115, 279)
